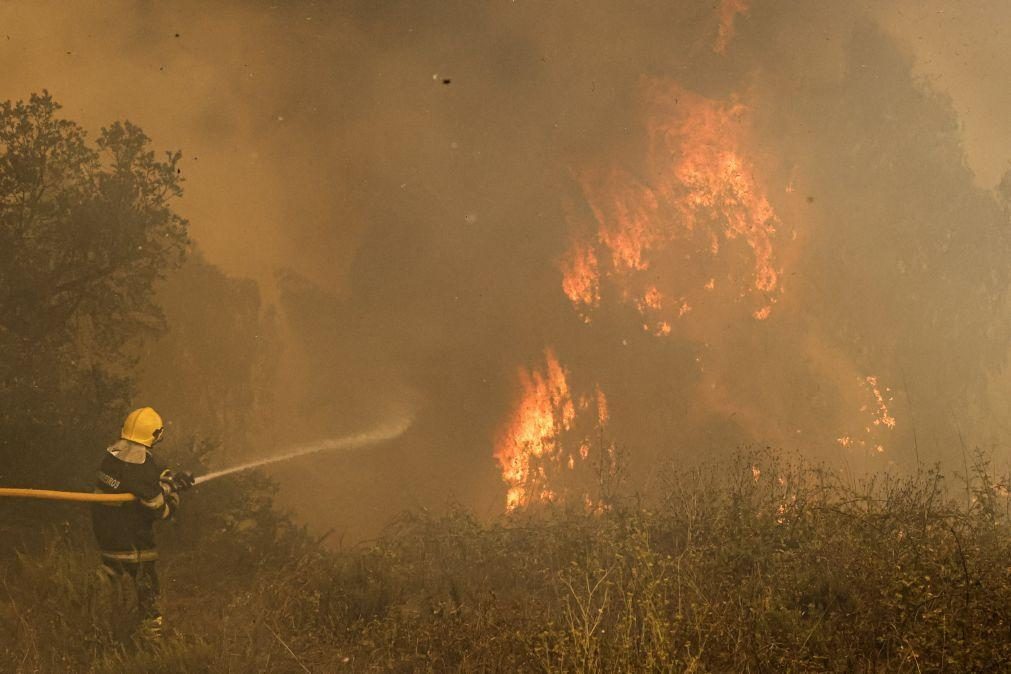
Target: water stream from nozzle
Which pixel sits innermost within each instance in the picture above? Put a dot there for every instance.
(355, 441)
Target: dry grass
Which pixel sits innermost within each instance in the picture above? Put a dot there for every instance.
(794, 571)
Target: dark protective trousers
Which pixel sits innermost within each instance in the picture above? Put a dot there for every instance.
(145, 579)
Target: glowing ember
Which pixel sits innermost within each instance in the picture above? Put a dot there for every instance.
(880, 421)
(603, 413)
(881, 415)
(702, 196)
(653, 299)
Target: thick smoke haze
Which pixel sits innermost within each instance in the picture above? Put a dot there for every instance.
(403, 181)
(336, 76)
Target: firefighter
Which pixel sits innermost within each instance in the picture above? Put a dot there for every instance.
(125, 530)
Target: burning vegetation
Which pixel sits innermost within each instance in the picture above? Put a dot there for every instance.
(622, 249)
(695, 220)
(682, 232)
(661, 244)
(549, 434)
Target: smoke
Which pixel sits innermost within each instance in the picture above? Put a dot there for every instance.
(401, 178)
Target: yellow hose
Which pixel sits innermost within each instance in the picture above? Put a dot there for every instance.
(51, 495)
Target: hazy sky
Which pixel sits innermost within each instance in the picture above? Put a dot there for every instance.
(216, 80)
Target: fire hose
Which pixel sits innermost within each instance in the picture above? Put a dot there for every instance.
(52, 495)
(349, 442)
(93, 497)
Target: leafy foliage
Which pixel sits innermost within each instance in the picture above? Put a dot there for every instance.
(85, 231)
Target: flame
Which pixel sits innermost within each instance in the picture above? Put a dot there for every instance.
(603, 412)
(702, 195)
(881, 415)
(545, 410)
(531, 450)
(580, 276)
(684, 234)
(880, 419)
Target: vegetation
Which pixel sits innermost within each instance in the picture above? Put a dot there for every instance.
(85, 233)
(758, 565)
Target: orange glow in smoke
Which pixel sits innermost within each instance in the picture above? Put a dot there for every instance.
(728, 10)
(603, 414)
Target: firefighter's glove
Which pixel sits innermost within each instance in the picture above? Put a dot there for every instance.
(176, 482)
(167, 481)
(183, 480)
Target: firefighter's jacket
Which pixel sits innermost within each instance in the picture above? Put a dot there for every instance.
(125, 530)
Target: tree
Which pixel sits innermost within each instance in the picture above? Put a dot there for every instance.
(85, 232)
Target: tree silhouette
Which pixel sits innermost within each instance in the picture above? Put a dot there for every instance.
(85, 232)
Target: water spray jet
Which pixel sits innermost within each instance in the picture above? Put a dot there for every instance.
(333, 444)
(356, 441)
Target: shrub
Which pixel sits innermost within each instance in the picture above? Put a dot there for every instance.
(762, 564)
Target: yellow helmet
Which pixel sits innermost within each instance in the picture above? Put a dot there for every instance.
(143, 426)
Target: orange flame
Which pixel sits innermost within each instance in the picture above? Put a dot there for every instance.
(603, 413)
(881, 419)
(881, 415)
(545, 410)
(530, 449)
(701, 195)
(580, 276)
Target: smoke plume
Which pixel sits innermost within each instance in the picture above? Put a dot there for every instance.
(749, 224)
